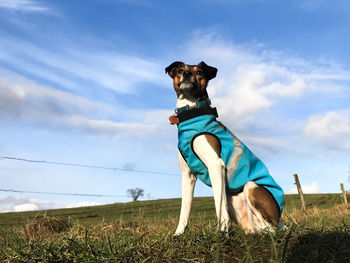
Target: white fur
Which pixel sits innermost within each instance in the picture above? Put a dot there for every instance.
(186, 97)
(187, 188)
(217, 174)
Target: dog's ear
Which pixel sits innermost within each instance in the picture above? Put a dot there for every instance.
(171, 68)
(209, 72)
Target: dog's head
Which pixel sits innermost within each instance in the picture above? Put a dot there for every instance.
(192, 79)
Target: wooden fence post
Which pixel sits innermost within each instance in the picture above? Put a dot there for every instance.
(344, 193)
(300, 191)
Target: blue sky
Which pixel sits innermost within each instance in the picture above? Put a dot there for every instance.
(83, 82)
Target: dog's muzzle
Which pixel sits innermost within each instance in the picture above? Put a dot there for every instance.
(185, 84)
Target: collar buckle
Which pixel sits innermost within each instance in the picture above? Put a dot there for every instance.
(198, 104)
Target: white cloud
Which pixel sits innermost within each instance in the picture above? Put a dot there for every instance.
(252, 80)
(24, 5)
(48, 107)
(84, 203)
(25, 207)
(23, 96)
(20, 204)
(258, 88)
(307, 189)
(332, 128)
(16, 204)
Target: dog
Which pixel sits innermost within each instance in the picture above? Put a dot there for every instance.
(244, 192)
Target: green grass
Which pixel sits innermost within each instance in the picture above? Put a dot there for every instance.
(202, 207)
(142, 232)
(157, 209)
(312, 200)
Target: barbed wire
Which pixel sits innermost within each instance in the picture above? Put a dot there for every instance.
(86, 166)
(55, 193)
(75, 165)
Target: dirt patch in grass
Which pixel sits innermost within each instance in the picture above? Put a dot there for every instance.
(44, 226)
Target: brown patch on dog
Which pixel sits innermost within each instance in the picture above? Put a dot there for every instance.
(198, 75)
(264, 202)
(209, 72)
(214, 143)
(173, 67)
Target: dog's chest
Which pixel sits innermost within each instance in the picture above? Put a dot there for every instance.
(206, 124)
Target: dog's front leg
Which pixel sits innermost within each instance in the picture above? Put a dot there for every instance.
(207, 149)
(187, 188)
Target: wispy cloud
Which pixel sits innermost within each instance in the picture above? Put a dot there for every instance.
(24, 5)
(48, 107)
(74, 66)
(26, 98)
(76, 69)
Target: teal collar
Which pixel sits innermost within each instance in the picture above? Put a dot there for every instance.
(198, 103)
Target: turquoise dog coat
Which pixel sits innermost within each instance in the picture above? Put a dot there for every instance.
(240, 162)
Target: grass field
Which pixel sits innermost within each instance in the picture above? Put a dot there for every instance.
(142, 232)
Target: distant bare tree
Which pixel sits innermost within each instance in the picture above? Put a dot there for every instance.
(135, 193)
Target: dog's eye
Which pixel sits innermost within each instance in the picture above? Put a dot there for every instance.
(199, 72)
(180, 71)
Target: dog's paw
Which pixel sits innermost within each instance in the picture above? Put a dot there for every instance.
(282, 226)
(224, 226)
(181, 227)
(178, 233)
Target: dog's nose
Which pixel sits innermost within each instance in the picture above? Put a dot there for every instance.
(187, 74)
